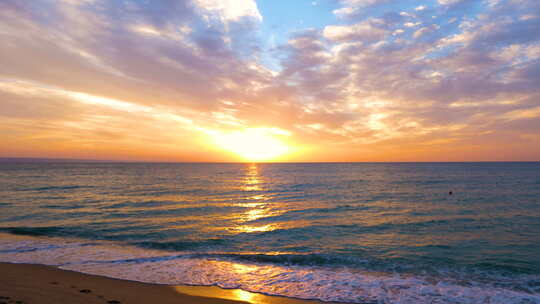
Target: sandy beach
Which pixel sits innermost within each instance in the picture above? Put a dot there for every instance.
(26, 283)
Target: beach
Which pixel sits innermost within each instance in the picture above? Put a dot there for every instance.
(28, 283)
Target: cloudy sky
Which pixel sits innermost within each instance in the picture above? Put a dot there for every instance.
(271, 80)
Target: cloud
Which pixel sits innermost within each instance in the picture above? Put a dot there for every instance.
(352, 8)
(230, 10)
(449, 2)
(420, 82)
(106, 77)
(366, 30)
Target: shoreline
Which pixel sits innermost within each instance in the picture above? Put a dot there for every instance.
(34, 283)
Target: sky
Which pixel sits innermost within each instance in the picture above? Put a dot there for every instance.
(270, 80)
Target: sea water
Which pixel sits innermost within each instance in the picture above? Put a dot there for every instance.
(350, 232)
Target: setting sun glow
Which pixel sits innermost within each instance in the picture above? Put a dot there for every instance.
(254, 144)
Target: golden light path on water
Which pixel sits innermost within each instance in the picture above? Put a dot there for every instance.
(258, 206)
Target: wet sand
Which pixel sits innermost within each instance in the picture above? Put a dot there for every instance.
(28, 284)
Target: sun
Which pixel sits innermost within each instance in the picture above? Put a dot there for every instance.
(254, 144)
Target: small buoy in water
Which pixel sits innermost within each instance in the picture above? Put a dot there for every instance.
(450, 193)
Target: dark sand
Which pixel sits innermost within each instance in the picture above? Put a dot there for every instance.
(24, 283)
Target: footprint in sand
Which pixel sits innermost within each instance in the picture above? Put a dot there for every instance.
(85, 291)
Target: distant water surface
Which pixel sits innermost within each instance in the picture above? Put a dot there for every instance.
(351, 232)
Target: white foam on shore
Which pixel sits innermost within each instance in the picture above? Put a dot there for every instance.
(153, 266)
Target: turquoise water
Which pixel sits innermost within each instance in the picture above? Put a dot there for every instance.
(351, 232)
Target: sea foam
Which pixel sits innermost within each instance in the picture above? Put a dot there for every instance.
(307, 282)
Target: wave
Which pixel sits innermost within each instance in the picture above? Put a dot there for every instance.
(170, 212)
(428, 257)
(142, 204)
(302, 276)
(35, 231)
(62, 207)
(310, 213)
(179, 245)
(54, 188)
(441, 267)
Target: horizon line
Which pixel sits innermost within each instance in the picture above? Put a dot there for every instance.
(89, 160)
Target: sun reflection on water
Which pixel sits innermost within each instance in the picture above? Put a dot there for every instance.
(252, 181)
(258, 208)
(255, 214)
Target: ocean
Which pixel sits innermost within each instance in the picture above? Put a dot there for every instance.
(348, 232)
